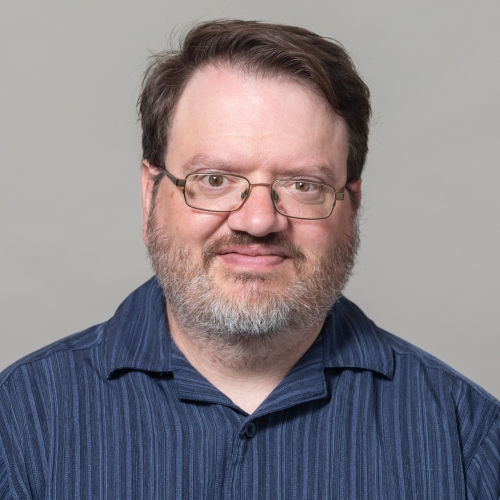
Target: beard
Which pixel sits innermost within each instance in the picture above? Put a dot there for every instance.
(256, 314)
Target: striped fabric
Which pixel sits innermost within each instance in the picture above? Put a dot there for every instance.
(117, 412)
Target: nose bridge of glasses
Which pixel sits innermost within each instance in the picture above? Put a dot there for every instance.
(246, 193)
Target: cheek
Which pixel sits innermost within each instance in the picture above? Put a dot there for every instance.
(201, 226)
(320, 238)
(183, 223)
(315, 238)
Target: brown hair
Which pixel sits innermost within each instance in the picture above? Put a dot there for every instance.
(262, 49)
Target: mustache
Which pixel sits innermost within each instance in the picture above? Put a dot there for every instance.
(272, 239)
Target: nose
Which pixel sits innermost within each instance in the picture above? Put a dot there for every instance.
(257, 216)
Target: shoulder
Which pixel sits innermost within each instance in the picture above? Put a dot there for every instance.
(428, 392)
(52, 354)
(86, 351)
(474, 409)
(413, 360)
(408, 359)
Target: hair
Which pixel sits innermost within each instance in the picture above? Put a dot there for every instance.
(269, 50)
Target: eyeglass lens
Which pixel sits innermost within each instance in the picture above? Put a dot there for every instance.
(225, 193)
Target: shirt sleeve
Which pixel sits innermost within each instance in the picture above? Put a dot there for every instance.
(11, 486)
(4, 480)
(483, 474)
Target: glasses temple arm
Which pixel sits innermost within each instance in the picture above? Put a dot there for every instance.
(177, 182)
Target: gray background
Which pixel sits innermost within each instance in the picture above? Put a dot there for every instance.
(71, 245)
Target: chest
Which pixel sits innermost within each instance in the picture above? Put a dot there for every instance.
(140, 440)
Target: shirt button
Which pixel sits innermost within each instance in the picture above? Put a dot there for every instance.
(250, 430)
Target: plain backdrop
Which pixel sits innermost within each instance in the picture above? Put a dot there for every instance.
(71, 247)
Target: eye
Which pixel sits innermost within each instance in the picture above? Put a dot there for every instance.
(302, 186)
(215, 180)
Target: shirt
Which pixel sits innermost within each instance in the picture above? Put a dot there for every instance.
(117, 412)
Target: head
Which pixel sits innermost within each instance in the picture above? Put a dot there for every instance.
(266, 102)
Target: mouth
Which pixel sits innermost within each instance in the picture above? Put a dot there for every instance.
(254, 250)
(256, 257)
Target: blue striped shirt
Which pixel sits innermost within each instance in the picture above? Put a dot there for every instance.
(117, 412)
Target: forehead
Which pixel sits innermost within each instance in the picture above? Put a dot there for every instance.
(255, 122)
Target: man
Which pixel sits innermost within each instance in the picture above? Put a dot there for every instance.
(240, 371)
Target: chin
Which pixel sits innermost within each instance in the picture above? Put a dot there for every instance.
(271, 281)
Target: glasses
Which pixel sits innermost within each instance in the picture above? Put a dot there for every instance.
(295, 198)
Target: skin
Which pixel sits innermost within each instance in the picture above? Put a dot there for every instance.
(263, 129)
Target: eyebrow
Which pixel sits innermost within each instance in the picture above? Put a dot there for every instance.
(210, 161)
(207, 161)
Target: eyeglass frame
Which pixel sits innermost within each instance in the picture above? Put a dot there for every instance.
(338, 195)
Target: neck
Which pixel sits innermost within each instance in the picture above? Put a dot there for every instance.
(248, 369)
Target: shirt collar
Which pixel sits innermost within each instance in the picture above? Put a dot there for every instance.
(351, 340)
(137, 338)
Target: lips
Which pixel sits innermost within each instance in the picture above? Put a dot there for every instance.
(242, 250)
(254, 251)
(256, 257)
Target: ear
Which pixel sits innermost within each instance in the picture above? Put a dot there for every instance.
(355, 192)
(148, 173)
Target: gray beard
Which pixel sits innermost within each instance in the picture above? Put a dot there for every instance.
(255, 316)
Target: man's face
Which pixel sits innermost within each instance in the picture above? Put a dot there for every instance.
(266, 271)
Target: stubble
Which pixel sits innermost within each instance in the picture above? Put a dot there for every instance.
(256, 318)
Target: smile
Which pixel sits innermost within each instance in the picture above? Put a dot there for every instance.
(252, 257)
